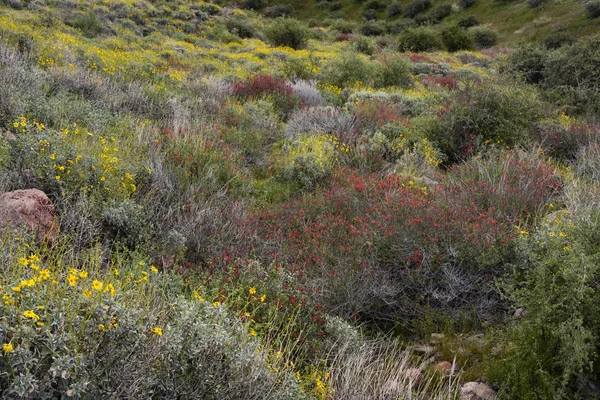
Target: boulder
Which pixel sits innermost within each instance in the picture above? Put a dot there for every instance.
(444, 367)
(477, 391)
(30, 209)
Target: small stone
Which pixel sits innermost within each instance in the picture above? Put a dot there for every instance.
(477, 391)
(444, 367)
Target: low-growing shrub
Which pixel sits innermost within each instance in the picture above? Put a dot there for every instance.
(481, 115)
(276, 90)
(527, 63)
(468, 22)
(372, 28)
(394, 9)
(416, 7)
(287, 32)
(392, 71)
(456, 38)
(592, 9)
(441, 12)
(557, 40)
(483, 37)
(309, 160)
(573, 74)
(279, 10)
(242, 27)
(551, 350)
(535, 3)
(564, 141)
(464, 4)
(347, 70)
(364, 45)
(72, 327)
(420, 39)
(369, 14)
(320, 119)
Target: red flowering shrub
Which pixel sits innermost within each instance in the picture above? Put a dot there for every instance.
(387, 249)
(563, 142)
(372, 114)
(516, 184)
(271, 88)
(448, 82)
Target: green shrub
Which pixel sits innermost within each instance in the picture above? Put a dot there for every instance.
(468, 22)
(288, 32)
(535, 3)
(254, 4)
(441, 12)
(416, 7)
(527, 63)
(555, 341)
(372, 28)
(483, 37)
(464, 4)
(364, 45)
(126, 222)
(482, 114)
(392, 71)
(456, 38)
(279, 10)
(74, 328)
(593, 9)
(394, 9)
(347, 70)
(242, 27)
(420, 39)
(87, 23)
(557, 40)
(573, 74)
(369, 14)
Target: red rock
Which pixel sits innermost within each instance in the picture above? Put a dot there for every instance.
(444, 367)
(30, 209)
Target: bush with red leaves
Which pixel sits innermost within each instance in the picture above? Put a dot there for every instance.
(273, 89)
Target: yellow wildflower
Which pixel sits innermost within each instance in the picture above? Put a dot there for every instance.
(72, 279)
(87, 294)
(158, 331)
(31, 315)
(97, 285)
(23, 261)
(154, 269)
(252, 290)
(263, 298)
(83, 274)
(34, 258)
(7, 348)
(44, 274)
(252, 332)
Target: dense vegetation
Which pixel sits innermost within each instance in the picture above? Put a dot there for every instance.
(256, 206)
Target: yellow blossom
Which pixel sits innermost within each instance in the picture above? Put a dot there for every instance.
(7, 348)
(263, 298)
(158, 331)
(87, 294)
(72, 279)
(252, 290)
(97, 285)
(83, 274)
(252, 332)
(23, 261)
(44, 274)
(31, 315)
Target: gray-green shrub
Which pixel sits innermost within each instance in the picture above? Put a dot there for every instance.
(288, 32)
